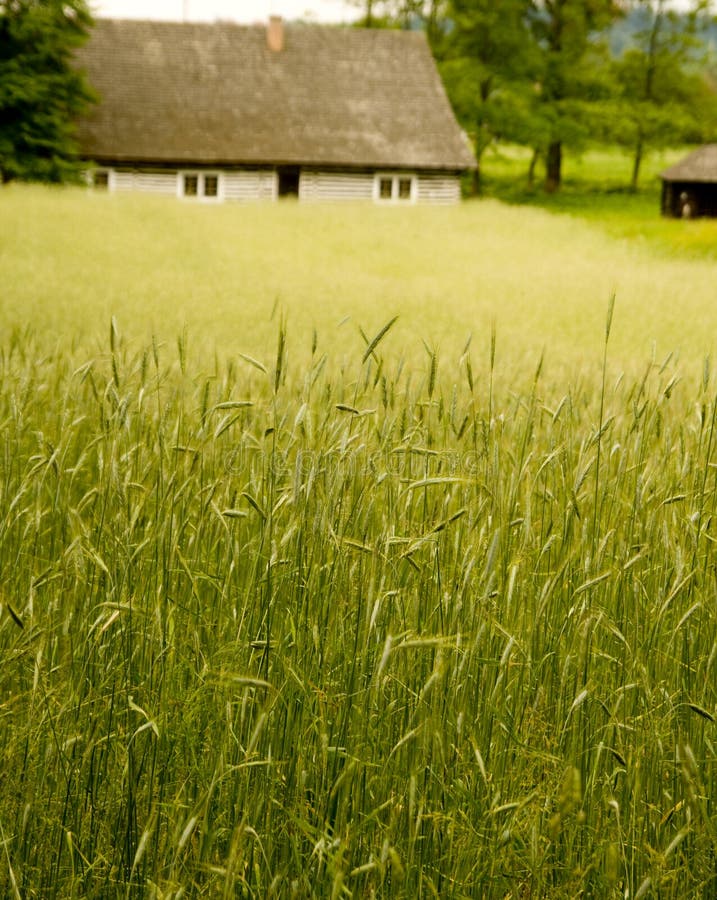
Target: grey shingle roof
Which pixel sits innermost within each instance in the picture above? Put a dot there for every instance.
(700, 165)
(193, 93)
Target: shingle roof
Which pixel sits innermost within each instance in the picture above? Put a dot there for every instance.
(700, 165)
(193, 93)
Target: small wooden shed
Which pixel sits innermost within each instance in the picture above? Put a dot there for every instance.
(230, 112)
(689, 188)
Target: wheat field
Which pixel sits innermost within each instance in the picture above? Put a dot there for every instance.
(70, 260)
(353, 552)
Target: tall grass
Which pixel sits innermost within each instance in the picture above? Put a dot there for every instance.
(357, 627)
(70, 260)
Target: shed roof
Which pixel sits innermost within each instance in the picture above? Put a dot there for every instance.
(700, 165)
(215, 93)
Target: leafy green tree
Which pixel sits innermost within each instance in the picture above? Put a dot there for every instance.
(664, 99)
(373, 13)
(573, 79)
(531, 71)
(41, 93)
(488, 66)
(429, 15)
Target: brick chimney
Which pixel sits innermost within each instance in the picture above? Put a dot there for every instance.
(275, 34)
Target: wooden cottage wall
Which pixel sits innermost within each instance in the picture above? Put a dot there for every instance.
(336, 186)
(316, 186)
(439, 189)
(250, 185)
(149, 182)
(146, 75)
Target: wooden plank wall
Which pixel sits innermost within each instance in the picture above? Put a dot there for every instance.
(151, 182)
(439, 189)
(335, 186)
(250, 185)
(261, 184)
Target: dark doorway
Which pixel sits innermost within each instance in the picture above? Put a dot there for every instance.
(688, 199)
(288, 181)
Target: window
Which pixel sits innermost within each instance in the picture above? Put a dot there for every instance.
(200, 184)
(385, 188)
(101, 180)
(395, 188)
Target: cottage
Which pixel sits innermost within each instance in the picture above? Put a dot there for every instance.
(230, 112)
(689, 188)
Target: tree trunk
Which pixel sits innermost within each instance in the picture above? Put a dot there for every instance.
(476, 183)
(553, 167)
(432, 30)
(531, 168)
(637, 160)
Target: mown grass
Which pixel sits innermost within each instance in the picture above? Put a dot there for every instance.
(323, 609)
(596, 188)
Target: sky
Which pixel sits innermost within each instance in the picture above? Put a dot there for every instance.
(245, 11)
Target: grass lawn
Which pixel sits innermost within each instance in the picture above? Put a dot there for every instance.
(595, 188)
(300, 599)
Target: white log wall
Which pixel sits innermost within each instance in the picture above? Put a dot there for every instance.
(352, 186)
(313, 186)
(335, 186)
(149, 182)
(439, 189)
(250, 185)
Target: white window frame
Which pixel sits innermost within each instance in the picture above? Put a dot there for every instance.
(396, 178)
(200, 175)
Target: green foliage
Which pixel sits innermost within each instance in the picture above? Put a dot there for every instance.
(488, 60)
(528, 73)
(663, 98)
(542, 75)
(41, 93)
(573, 62)
(430, 15)
(374, 13)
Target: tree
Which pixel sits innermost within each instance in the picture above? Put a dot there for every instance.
(373, 13)
(531, 71)
(428, 15)
(41, 94)
(663, 96)
(488, 68)
(573, 69)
